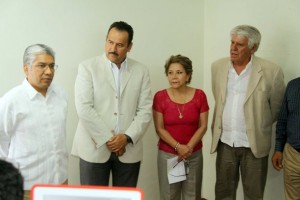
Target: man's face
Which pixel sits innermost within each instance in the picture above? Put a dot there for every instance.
(240, 53)
(39, 76)
(116, 46)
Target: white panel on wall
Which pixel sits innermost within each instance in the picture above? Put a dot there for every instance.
(278, 23)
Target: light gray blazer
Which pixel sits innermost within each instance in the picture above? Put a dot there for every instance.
(97, 106)
(262, 104)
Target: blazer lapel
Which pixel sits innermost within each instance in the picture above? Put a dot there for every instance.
(110, 76)
(256, 75)
(125, 77)
(224, 79)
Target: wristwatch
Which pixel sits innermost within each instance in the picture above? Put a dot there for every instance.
(129, 140)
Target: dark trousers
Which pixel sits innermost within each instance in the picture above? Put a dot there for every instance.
(233, 160)
(123, 174)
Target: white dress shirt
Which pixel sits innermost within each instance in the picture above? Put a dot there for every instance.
(32, 133)
(233, 120)
(117, 72)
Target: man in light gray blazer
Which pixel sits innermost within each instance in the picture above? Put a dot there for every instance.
(248, 92)
(113, 101)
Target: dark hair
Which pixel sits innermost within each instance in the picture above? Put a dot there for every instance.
(184, 61)
(123, 26)
(11, 182)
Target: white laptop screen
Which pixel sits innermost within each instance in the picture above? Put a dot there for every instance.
(68, 192)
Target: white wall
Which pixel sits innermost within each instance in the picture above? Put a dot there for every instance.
(76, 30)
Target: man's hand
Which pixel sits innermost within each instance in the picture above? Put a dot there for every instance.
(117, 143)
(277, 160)
(121, 152)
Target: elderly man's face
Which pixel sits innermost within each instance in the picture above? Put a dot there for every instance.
(240, 53)
(39, 76)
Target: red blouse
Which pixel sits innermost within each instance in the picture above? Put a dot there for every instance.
(182, 129)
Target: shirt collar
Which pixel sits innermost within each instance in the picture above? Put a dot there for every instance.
(247, 68)
(123, 64)
(32, 92)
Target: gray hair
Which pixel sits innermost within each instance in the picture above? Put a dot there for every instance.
(249, 32)
(33, 50)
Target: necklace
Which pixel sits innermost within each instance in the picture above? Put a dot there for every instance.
(180, 112)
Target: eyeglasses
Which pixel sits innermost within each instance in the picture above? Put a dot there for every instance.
(43, 66)
(186, 166)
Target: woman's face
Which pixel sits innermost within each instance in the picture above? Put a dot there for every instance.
(177, 75)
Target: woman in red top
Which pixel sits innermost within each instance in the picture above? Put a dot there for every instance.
(180, 116)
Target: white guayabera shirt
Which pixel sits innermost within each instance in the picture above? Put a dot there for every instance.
(32, 133)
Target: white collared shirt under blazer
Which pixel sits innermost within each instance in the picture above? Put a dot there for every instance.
(98, 109)
(32, 133)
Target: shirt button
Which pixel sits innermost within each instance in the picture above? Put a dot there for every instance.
(115, 113)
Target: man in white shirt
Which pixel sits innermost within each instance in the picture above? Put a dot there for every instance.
(33, 122)
(114, 106)
(248, 92)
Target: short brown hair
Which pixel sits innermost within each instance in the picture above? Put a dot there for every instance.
(184, 61)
